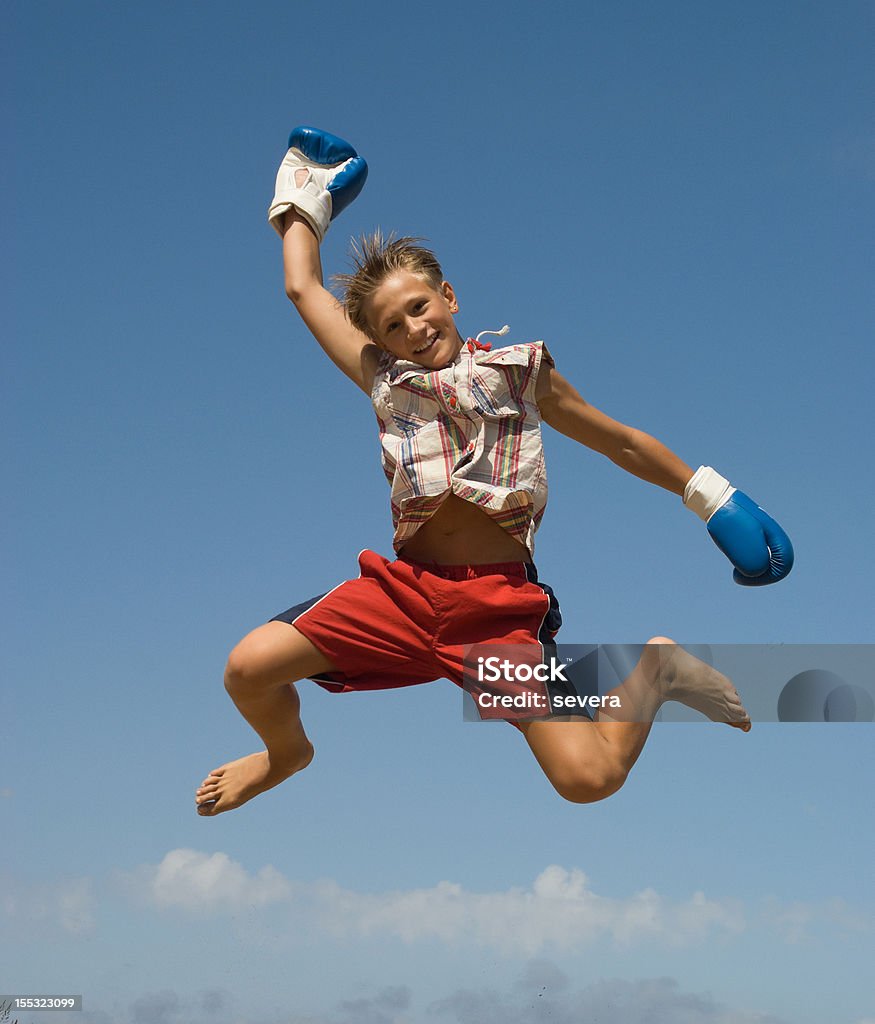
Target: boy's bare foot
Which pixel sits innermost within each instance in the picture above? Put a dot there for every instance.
(690, 681)
(236, 782)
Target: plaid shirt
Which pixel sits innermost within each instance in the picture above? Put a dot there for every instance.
(471, 429)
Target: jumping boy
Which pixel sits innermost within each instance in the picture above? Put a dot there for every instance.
(461, 447)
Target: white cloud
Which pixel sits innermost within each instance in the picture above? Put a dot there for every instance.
(202, 881)
(560, 908)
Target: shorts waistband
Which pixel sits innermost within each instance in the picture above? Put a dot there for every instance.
(523, 570)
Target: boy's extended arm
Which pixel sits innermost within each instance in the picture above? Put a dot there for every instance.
(347, 347)
(755, 544)
(638, 453)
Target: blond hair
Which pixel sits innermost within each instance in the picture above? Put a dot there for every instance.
(375, 258)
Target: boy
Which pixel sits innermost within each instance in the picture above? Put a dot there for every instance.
(461, 440)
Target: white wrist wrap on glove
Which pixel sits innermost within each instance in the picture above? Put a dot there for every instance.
(311, 199)
(706, 492)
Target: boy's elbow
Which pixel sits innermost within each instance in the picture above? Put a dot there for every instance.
(294, 291)
(301, 289)
(625, 448)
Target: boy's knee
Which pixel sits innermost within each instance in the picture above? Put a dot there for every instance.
(241, 672)
(588, 783)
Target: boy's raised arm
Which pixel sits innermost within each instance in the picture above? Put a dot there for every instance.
(347, 347)
(319, 176)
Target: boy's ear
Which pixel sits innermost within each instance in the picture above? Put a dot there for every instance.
(450, 295)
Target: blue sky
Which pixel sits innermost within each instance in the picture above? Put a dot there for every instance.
(678, 198)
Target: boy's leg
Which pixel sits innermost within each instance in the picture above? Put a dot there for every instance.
(259, 678)
(588, 761)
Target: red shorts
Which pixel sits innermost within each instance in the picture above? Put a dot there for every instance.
(402, 623)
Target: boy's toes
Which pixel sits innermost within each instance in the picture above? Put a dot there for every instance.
(206, 802)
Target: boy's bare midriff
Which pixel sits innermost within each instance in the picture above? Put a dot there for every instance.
(460, 533)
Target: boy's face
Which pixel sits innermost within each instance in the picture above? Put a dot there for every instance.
(414, 320)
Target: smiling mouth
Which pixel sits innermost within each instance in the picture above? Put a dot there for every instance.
(426, 346)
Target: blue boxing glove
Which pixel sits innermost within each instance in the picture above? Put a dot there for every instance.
(319, 176)
(758, 548)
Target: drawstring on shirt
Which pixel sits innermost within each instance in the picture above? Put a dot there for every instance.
(474, 343)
